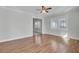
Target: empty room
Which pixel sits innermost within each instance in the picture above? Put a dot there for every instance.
(39, 29)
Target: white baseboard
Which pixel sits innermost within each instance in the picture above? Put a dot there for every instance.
(76, 38)
(53, 34)
(16, 38)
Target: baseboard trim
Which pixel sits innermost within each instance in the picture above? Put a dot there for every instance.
(17, 38)
(55, 34)
(70, 37)
(76, 38)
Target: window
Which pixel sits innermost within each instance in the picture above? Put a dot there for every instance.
(58, 23)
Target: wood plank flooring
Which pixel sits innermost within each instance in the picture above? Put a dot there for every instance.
(45, 44)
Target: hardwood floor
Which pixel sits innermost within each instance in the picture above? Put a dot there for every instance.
(74, 45)
(45, 44)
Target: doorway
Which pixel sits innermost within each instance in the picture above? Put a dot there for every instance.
(37, 30)
(37, 26)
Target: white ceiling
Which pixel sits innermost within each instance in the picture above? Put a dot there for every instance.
(33, 9)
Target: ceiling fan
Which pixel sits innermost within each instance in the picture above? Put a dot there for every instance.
(44, 9)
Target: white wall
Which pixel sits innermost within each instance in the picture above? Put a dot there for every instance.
(14, 24)
(73, 17)
(73, 24)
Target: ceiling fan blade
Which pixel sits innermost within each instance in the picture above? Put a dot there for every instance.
(47, 11)
(43, 8)
(49, 8)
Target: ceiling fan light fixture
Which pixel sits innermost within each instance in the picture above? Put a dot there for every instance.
(43, 12)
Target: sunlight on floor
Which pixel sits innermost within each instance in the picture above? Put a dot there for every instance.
(38, 40)
(66, 38)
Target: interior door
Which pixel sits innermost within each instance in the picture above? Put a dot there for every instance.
(37, 26)
(37, 31)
